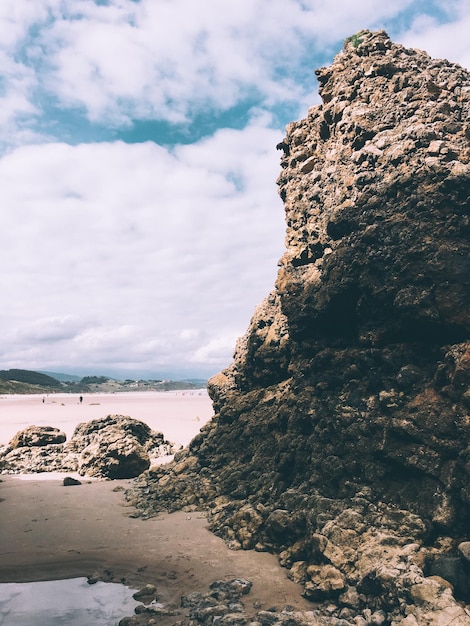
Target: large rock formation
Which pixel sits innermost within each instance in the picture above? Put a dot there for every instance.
(341, 434)
(113, 447)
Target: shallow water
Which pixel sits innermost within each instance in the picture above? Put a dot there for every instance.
(71, 602)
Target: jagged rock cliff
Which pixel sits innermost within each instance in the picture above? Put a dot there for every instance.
(341, 434)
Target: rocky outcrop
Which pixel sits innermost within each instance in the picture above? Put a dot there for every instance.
(340, 439)
(29, 460)
(34, 436)
(115, 446)
(112, 447)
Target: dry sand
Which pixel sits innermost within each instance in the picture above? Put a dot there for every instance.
(48, 531)
(179, 415)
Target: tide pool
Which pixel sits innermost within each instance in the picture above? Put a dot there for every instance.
(71, 602)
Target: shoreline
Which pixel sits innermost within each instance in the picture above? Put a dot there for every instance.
(52, 532)
(179, 415)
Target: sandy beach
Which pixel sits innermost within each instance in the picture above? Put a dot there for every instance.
(178, 414)
(50, 532)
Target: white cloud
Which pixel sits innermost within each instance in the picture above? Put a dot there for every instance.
(215, 350)
(139, 255)
(447, 40)
(127, 60)
(50, 330)
(159, 60)
(17, 78)
(114, 251)
(16, 18)
(16, 84)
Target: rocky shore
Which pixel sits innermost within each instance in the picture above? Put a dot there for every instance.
(340, 440)
(227, 602)
(116, 446)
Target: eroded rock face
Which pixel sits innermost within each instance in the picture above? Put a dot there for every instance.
(375, 185)
(33, 459)
(36, 449)
(112, 447)
(341, 433)
(34, 436)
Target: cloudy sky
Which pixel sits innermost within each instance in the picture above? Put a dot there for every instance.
(139, 222)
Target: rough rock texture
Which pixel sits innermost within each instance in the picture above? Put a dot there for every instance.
(228, 603)
(112, 447)
(341, 434)
(116, 446)
(37, 436)
(32, 459)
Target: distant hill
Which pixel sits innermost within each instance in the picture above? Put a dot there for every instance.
(29, 377)
(63, 378)
(199, 383)
(27, 381)
(14, 387)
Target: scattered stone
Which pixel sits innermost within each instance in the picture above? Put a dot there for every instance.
(69, 481)
(464, 549)
(451, 568)
(325, 582)
(148, 592)
(129, 621)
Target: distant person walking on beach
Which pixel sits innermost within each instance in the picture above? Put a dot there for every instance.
(81, 399)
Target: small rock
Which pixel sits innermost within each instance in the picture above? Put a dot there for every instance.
(146, 592)
(377, 619)
(128, 621)
(69, 481)
(450, 568)
(464, 549)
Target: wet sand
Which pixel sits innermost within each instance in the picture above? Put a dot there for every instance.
(48, 531)
(51, 532)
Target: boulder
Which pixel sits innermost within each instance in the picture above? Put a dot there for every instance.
(115, 446)
(112, 447)
(36, 436)
(28, 460)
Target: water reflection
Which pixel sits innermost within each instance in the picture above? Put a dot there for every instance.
(72, 602)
